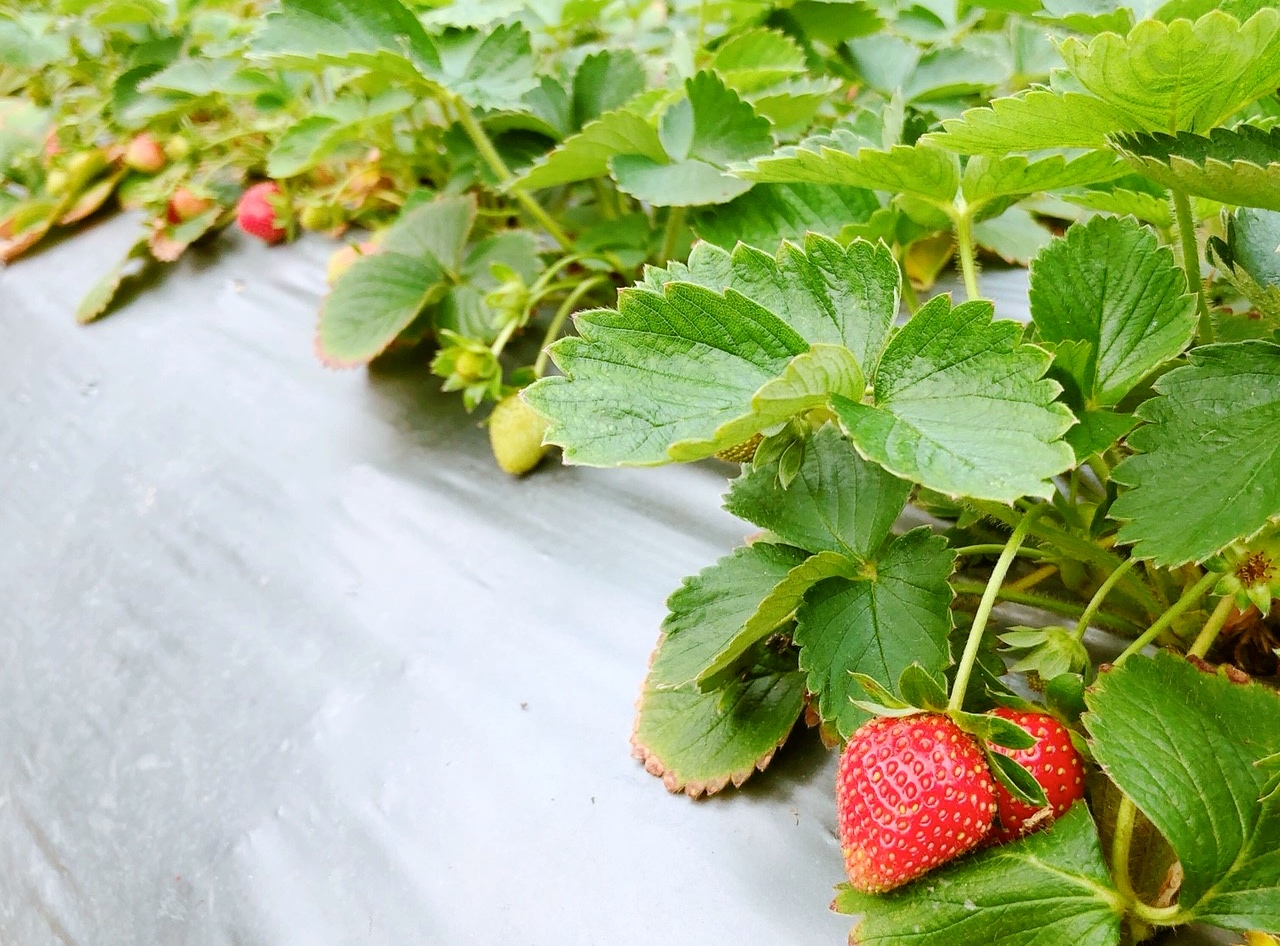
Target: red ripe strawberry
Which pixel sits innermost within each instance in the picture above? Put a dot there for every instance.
(911, 794)
(1053, 762)
(256, 213)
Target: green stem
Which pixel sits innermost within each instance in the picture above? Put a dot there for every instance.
(484, 146)
(565, 310)
(909, 294)
(992, 549)
(1183, 604)
(1191, 262)
(1121, 842)
(1206, 637)
(1100, 595)
(671, 235)
(988, 602)
(1111, 622)
(964, 249)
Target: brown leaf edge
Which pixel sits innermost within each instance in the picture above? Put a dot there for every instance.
(672, 781)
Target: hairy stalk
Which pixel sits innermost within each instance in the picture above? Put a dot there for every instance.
(484, 145)
(671, 235)
(965, 250)
(1112, 622)
(1180, 607)
(1209, 633)
(557, 322)
(1191, 262)
(992, 549)
(1121, 844)
(1027, 582)
(1101, 595)
(987, 603)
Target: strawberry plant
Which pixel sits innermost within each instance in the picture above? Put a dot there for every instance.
(1019, 571)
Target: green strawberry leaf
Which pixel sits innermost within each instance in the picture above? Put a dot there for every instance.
(1110, 285)
(897, 614)
(1182, 75)
(1238, 165)
(838, 503)
(961, 406)
(132, 264)
(928, 173)
(605, 81)
(382, 35)
(374, 301)
(704, 353)
(1121, 201)
(1015, 236)
(1250, 258)
(991, 184)
(462, 308)
(1185, 746)
(757, 59)
(491, 68)
(776, 611)
(1035, 120)
(587, 154)
(314, 138)
(709, 608)
(1050, 887)
(1209, 450)
(701, 742)
(701, 134)
(381, 294)
(770, 213)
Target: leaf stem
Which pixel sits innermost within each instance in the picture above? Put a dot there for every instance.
(484, 146)
(1191, 262)
(993, 549)
(1209, 633)
(1029, 581)
(1101, 595)
(909, 295)
(557, 322)
(671, 235)
(1121, 842)
(988, 602)
(1069, 609)
(964, 249)
(1183, 604)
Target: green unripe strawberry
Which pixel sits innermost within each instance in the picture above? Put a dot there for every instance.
(56, 183)
(177, 148)
(515, 434)
(316, 217)
(144, 154)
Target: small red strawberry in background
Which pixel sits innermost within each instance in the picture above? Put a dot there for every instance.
(1052, 761)
(256, 212)
(185, 205)
(145, 155)
(911, 793)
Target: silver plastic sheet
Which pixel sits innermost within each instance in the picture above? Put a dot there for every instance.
(286, 660)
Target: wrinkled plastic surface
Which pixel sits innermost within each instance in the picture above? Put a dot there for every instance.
(286, 660)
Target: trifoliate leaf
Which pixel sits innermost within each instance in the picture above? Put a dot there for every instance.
(898, 614)
(990, 184)
(1183, 75)
(701, 134)
(1208, 451)
(1235, 166)
(1185, 746)
(701, 742)
(1111, 285)
(839, 502)
(694, 347)
(775, 612)
(586, 154)
(1032, 121)
(770, 213)
(961, 406)
(840, 158)
(1250, 258)
(1050, 887)
(1122, 202)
